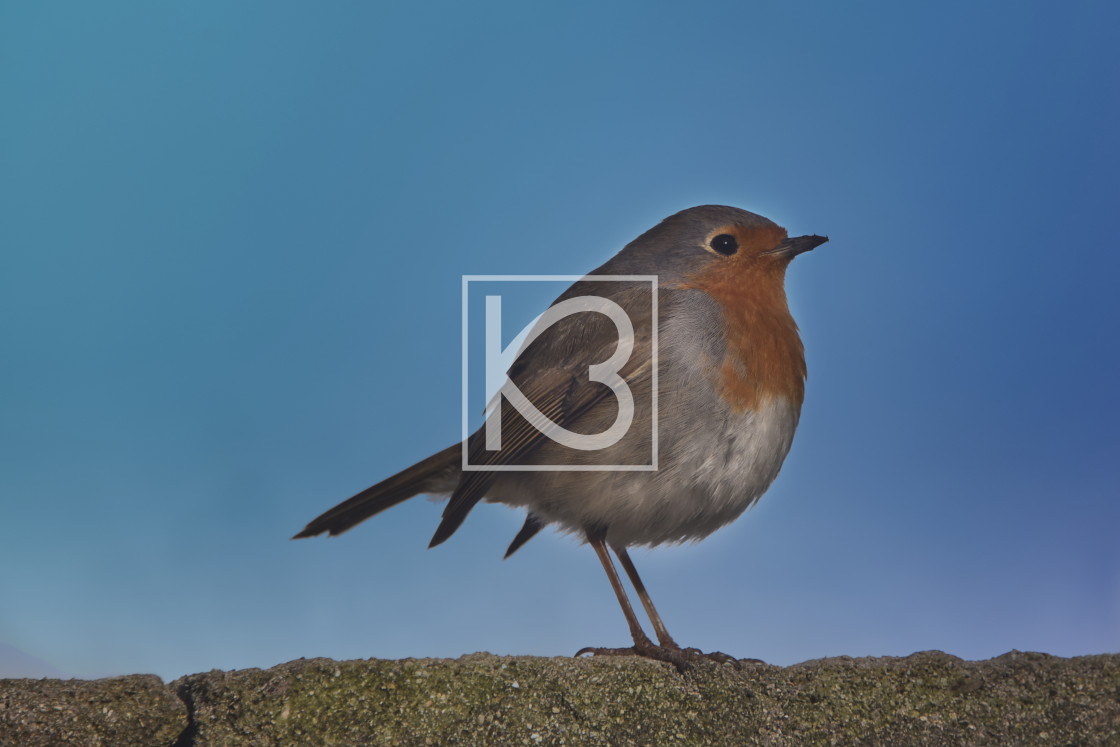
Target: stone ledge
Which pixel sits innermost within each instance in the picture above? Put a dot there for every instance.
(928, 698)
(138, 709)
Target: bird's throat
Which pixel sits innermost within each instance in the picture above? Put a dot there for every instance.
(764, 358)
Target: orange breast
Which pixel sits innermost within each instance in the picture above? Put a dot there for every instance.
(765, 358)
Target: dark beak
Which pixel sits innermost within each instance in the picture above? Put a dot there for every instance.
(798, 245)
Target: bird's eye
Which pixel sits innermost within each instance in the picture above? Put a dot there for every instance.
(725, 244)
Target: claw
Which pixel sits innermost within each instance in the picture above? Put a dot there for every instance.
(682, 659)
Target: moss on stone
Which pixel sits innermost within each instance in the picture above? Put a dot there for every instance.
(138, 709)
(928, 698)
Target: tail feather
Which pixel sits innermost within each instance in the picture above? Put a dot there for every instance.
(440, 469)
(529, 529)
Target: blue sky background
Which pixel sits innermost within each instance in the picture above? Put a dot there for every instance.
(231, 250)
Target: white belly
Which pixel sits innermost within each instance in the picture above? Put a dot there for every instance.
(708, 475)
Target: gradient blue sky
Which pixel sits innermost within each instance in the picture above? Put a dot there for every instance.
(231, 252)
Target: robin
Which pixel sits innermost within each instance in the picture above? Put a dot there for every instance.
(729, 378)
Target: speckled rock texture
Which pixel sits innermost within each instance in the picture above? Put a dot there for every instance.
(138, 709)
(928, 698)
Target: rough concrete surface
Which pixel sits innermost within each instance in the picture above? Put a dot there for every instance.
(928, 698)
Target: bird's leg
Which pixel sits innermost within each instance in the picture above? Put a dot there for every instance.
(682, 659)
(663, 636)
(641, 640)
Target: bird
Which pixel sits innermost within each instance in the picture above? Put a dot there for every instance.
(716, 375)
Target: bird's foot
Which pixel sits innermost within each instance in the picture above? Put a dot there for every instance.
(682, 658)
(721, 658)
